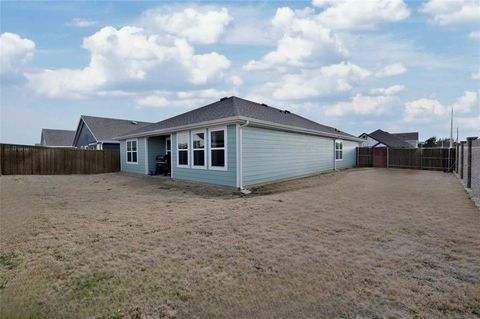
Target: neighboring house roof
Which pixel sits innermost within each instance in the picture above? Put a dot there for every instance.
(237, 109)
(411, 136)
(58, 138)
(105, 129)
(388, 139)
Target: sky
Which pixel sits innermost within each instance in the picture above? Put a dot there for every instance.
(354, 65)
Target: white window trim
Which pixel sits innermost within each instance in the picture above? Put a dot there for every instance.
(225, 148)
(171, 156)
(341, 150)
(126, 150)
(192, 133)
(188, 149)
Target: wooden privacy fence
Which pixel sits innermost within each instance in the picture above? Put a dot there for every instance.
(36, 160)
(419, 158)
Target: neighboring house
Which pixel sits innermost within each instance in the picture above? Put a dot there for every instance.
(381, 138)
(56, 138)
(410, 137)
(236, 142)
(98, 132)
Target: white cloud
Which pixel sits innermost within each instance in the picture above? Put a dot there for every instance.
(422, 110)
(115, 93)
(429, 110)
(310, 83)
(352, 16)
(181, 99)
(465, 103)
(197, 25)
(394, 89)
(474, 35)
(125, 55)
(81, 23)
(453, 12)
(391, 70)
(202, 67)
(476, 75)
(15, 53)
(469, 123)
(157, 100)
(235, 80)
(363, 105)
(302, 40)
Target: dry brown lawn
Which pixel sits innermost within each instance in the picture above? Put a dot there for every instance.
(362, 243)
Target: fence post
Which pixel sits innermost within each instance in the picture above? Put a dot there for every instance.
(457, 157)
(421, 157)
(358, 156)
(388, 155)
(469, 161)
(2, 158)
(462, 158)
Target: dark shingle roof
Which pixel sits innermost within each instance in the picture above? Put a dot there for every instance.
(389, 139)
(237, 109)
(57, 137)
(410, 136)
(105, 129)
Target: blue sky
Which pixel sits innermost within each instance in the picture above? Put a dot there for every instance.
(390, 64)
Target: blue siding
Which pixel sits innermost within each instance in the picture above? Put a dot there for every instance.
(349, 155)
(138, 168)
(225, 178)
(156, 146)
(270, 155)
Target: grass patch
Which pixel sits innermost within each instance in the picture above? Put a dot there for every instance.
(91, 282)
(8, 260)
(58, 255)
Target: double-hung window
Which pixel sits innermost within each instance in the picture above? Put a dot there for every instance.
(182, 149)
(218, 148)
(338, 151)
(132, 153)
(198, 149)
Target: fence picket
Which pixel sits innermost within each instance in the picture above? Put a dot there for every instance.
(23, 159)
(424, 158)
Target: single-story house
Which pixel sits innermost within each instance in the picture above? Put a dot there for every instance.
(409, 137)
(381, 138)
(98, 133)
(56, 138)
(235, 142)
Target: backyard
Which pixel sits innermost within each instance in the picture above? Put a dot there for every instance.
(360, 243)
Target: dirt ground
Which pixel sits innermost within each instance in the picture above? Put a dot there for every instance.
(361, 243)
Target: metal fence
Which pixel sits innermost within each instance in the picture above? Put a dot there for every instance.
(36, 160)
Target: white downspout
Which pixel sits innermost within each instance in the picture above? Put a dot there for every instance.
(240, 150)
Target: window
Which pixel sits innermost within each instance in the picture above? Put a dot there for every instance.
(132, 153)
(218, 148)
(168, 145)
(338, 151)
(198, 149)
(182, 149)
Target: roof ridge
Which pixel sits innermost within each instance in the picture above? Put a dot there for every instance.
(111, 118)
(236, 110)
(57, 129)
